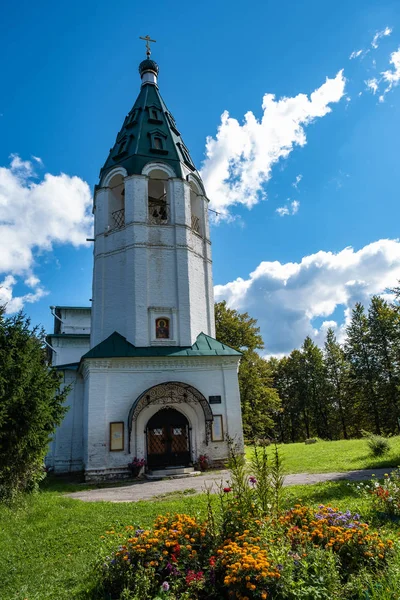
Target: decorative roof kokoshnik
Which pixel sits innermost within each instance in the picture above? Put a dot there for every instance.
(149, 119)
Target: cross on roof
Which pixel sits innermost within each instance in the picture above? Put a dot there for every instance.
(147, 39)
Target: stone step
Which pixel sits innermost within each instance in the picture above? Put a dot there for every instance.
(172, 472)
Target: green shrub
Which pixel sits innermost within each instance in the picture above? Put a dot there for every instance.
(378, 445)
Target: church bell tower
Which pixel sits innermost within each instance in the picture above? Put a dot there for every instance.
(152, 279)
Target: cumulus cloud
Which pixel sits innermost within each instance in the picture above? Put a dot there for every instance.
(290, 209)
(35, 215)
(289, 298)
(239, 159)
(392, 76)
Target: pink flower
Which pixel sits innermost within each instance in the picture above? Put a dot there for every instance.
(165, 586)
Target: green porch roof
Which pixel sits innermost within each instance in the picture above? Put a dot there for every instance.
(116, 346)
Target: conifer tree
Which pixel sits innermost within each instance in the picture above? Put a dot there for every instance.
(337, 375)
(31, 405)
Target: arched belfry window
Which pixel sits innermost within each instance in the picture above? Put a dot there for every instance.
(116, 202)
(162, 328)
(158, 201)
(196, 209)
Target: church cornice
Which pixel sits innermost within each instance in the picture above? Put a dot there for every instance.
(199, 363)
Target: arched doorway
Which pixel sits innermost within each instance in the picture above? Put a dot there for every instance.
(168, 442)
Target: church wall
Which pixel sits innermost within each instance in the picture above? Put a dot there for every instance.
(68, 349)
(66, 449)
(115, 384)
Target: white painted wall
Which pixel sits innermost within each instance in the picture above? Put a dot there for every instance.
(114, 384)
(143, 266)
(66, 449)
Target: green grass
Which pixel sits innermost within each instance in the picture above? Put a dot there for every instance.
(48, 545)
(338, 456)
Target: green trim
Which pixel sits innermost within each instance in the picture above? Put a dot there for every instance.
(74, 307)
(69, 335)
(116, 346)
(67, 367)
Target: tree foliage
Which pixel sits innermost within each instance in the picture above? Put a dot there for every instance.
(345, 388)
(31, 405)
(260, 401)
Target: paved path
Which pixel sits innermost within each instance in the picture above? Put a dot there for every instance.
(145, 490)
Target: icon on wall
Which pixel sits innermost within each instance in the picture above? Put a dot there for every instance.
(162, 329)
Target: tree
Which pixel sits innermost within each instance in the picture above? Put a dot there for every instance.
(337, 376)
(260, 401)
(384, 328)
(31, 405)
(364, 373)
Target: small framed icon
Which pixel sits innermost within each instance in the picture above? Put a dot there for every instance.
(217, 433)
(116, 436)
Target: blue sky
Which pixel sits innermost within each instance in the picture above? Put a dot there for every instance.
(69, 76)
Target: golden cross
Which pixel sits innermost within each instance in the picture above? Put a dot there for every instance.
(147, 39)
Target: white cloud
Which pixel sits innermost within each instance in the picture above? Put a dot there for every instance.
(295, 183)
(380, 34)
(34, 216)
(15, 303)
(240, 158)
(392, 76)
(372, 84)
(292, 209)
(287, 298)
(355, 54)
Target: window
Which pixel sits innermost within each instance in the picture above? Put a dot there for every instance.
(186, 156)
(122, 145)
(154, 114)
(158, 206)
(162, 328)
(157, 141)
(196, 209)
(116, 203)
(172, 123)
(132, 118)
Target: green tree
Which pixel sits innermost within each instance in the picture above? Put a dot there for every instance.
(363, 373)
(260, 401)
(337, 379)
(31, 405)
(384, 328)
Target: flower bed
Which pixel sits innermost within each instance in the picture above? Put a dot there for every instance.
(249, 548)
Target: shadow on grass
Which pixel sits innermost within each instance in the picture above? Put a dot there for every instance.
(75, 482)
(377, 463)
(323, 493)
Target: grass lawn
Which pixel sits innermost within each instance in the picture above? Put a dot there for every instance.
(339, 456)
(48, 545)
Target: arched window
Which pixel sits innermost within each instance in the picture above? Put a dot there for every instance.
(162, 328)
(116, 202)
(196, 209)
(158, 204)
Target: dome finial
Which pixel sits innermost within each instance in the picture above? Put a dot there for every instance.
(147, 39)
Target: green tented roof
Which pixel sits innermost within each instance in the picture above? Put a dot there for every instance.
(133, 147)
(116, 346)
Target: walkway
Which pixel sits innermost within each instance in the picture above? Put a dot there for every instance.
(145, 490)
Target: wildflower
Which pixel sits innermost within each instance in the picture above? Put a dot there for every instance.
(165, 586)
(253, 480)
(227, 489)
